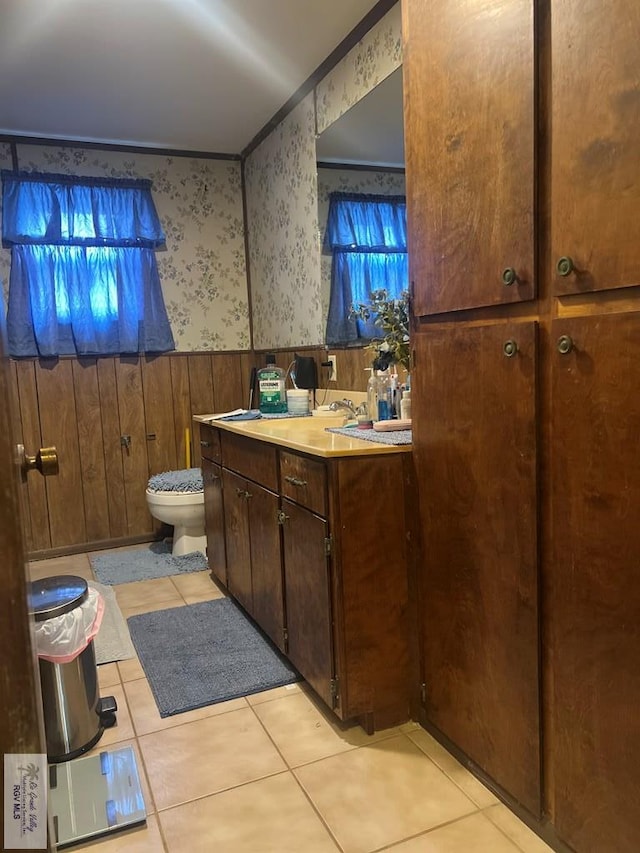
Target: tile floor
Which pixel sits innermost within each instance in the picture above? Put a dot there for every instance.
(274, 773)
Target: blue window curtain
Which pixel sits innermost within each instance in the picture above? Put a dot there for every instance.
(367, 238)
(84, 278)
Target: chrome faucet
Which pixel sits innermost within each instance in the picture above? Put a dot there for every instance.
(342, 404)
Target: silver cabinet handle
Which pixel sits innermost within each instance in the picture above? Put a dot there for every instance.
(295, 481)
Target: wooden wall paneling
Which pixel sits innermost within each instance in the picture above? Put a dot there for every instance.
(116, 502)
(181, 406)
(40, 537)
(158, 414)
(227, 382)
(201, 396)
(247, 361)
(135, 463)
(59, 424)
(91, 448)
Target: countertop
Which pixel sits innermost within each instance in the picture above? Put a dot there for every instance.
(306, 434)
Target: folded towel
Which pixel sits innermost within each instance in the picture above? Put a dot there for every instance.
(243, 415)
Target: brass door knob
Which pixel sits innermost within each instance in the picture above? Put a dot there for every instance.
(564, 344)
(45, 461)
(510, 348)
(565, 266)
(509, 276)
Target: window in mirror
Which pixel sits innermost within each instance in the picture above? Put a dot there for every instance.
(367, 238)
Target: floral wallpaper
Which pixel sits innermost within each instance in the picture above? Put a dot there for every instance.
(353, 181)
(367, 64)
(199, 201)
(282, 222)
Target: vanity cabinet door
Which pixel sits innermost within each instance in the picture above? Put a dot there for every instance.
(214, 519)
(469, 143)
(266, 563)
(236, 525)
(308, 598)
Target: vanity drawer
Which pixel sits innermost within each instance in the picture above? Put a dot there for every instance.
(304, 481)
(210, 443)
(253, 459)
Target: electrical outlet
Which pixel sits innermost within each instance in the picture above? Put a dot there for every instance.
(333, 371)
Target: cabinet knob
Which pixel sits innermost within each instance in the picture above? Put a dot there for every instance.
(282, 517)
(509, 276)
(510, 348)
(205, 443)
(565, 265)
(564, 344)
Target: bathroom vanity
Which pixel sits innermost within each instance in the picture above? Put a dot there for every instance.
(309, 531)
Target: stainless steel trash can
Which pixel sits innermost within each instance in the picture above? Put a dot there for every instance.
(74, 714)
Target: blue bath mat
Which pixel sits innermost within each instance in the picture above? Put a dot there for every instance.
(156, 561)
(205, 653)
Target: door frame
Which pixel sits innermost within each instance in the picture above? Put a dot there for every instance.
(21, 718)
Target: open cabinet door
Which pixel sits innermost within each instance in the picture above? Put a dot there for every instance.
(21, 725)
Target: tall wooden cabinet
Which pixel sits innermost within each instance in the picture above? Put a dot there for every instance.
(525, 403)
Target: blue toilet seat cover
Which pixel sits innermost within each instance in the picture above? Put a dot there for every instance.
(188, 480)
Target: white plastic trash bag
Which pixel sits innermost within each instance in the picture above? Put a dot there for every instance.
(62, 638)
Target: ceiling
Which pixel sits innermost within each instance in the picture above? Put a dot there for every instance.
(198, 75)
(371, 132)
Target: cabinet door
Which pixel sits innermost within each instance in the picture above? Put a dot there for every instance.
(308, 599)
(266, 563)
(214, 519)
(595, 128)
(474, 439)
(236, 525)
(468, 74)
(592, 585)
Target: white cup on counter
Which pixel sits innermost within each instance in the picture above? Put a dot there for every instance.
(297, 401)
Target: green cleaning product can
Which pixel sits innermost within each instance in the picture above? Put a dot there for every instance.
(272, 397)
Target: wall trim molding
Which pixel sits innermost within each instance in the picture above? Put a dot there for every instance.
(52, 141)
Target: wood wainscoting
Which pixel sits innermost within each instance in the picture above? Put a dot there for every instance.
(85, 407)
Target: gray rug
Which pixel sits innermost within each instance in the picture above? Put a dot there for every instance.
(205, 653)
(156, 561)
(113, 640)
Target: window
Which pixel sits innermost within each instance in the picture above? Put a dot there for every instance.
(367, 237)
(84, 278)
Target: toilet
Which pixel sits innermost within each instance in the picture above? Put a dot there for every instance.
(177, 498)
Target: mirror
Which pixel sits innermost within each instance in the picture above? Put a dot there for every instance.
(370, 133)
(362, 152)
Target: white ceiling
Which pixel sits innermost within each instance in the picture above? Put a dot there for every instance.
(202, 75)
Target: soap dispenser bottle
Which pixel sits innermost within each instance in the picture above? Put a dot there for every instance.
(271, 382)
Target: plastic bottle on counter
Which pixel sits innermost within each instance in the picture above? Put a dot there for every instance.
(372, 395)
(405, 402)
(271, 379)
(384, 396)
(405, 405)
